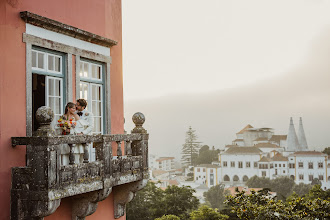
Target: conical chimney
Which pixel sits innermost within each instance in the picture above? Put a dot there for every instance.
(292, 140)
(302, 137)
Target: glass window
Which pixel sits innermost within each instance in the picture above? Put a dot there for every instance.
(301, 165)
(224, 163)
(240, 164)
(91, 89)
(232, 164)
(301, 177)
(248, 164)
(47, 83)
(310, 165)
(320, 164)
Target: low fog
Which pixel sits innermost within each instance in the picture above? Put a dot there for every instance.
(303, 91)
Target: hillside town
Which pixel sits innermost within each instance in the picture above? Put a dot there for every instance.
(254, 152)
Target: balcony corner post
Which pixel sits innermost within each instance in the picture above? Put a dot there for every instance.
(30, 198)
(141, 147)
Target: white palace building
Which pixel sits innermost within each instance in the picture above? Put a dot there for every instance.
(258, 151)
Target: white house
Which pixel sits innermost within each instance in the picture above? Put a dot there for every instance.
(165, 163)
(207, 174)
(238, 164)
(307, 165)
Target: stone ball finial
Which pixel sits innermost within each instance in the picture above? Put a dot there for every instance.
(44, 115)
(138, 119)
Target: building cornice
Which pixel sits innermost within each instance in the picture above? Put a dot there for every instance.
(62, 28)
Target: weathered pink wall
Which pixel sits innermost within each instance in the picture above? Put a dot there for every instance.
(102, 17)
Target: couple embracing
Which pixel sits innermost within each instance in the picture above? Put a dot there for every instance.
(75, 121)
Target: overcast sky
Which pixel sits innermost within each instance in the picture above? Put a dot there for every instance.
(219, 65)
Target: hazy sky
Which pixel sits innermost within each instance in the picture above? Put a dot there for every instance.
(195, 63)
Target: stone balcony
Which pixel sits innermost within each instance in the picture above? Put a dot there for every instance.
(37, 188)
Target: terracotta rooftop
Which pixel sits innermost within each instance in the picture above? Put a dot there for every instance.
(244, 129)
(278, 138)
(237, 140)
(265, 159)
(261, 139)
(242, 150)
(207, 166)
(158, 172)
(279, 157)
(308, 153)
(231, 145)
(164, 158)
(266, 145)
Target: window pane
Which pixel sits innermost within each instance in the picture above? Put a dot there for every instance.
(99, 108)
(41, 60)
(85, 95)
(81, 69)
(85, 69)
(34, 59)
(57, 88)
(98, 72)
(51, 87)
(97, 124)
(52, 103)
(57, 64)
(94, 74)
(94, 92)
(51, 62)
(94, 108)
(57, 109)
(99, 93)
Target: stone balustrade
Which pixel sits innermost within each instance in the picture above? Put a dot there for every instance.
(37, 188)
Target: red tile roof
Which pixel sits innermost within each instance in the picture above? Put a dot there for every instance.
(244, 129)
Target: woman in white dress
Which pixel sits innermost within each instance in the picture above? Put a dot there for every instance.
(71, 124)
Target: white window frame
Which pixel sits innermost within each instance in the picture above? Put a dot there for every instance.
(47, 96)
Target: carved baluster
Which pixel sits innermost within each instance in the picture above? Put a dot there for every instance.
(86, 153)
(128, 148)
(71, 155)
(119, 152)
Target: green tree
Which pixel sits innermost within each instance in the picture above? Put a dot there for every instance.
(326, 150)
(260, 205)
(179, 201)
(146, 203)
(316, 181)
(258, 182)
(206, 156)
(168, 217)
(318, 192)
(153, 202)
(206, 213)
(216, 196)
(301, 189)
(282, 186)
(190, 148)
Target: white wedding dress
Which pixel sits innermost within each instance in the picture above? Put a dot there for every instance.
(78, 149)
